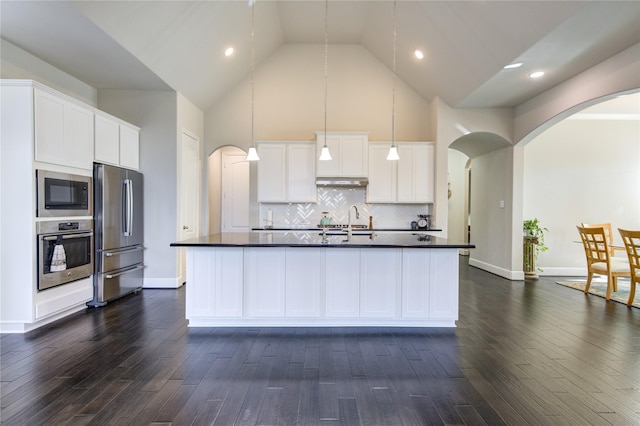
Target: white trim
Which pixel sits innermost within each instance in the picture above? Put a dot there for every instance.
(24, 327)
(317, 322)
(563, 272)
(161, 282)
(505, 273)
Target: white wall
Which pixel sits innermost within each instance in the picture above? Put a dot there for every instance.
(289, 99)
(16, 63)
(289, 102)
(581, 171)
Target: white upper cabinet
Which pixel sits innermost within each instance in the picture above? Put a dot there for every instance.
(348, 152)
(286, 172)
(409, 180)
(63, 131)
(129, 147)
(116, 143)
(416, 173)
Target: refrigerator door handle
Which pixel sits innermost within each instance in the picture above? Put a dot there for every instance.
(128, 208)
(124, 251)
(126, 271)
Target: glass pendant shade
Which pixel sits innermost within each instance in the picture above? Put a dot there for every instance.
(252, 155)
(325, 155)
(393, 153)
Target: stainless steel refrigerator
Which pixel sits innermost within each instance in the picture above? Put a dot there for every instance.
(119, 233)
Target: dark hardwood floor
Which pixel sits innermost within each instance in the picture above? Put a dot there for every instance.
(523, 353)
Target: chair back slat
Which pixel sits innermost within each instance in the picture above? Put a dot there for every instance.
(608, 232)
(596, 246)
(631, 241)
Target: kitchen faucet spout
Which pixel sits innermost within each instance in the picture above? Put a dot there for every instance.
(349, 229)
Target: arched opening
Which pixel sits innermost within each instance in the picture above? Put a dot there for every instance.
(228, 192)
(583, 168)
(462, 207)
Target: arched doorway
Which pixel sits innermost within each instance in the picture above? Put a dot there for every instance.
(228, 190)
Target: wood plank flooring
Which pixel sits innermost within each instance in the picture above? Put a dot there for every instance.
(532, 353)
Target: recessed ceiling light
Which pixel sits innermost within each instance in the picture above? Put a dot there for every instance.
(536, 74)
(419, 54)
(512, 66)
(228, 51)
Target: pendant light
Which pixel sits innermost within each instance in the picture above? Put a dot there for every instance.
(393, 150)
(325, 155)
(252, 155)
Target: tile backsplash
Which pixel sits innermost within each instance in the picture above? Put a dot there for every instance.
(337, 201)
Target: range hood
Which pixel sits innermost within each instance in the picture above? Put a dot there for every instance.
(343, 182)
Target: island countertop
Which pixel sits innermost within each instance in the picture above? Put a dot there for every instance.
(360, 239)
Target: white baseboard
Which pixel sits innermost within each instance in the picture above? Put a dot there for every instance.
(161, 283)
(504, 273)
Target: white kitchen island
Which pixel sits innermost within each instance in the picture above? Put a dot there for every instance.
(296, 279)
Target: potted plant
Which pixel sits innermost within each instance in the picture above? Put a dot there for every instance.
(533, 244)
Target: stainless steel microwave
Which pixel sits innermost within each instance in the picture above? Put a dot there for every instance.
(63, 194)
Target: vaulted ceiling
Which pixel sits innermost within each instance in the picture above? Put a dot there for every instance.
(162, 45)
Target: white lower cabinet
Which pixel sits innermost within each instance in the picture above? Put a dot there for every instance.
(222, 270)
(303, 280)
(342, 283)
(264, 286)
(415, 293)
(318, 286)
(379, 281)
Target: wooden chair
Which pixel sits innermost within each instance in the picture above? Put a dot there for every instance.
(608, 230)
(631, 241)
(599, 259)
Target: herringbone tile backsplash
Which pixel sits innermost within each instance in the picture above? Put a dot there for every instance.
(337, 201)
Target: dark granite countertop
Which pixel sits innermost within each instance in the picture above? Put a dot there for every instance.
(314, 239)
(354, 229)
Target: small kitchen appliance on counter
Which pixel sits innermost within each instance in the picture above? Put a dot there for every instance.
(423, 222)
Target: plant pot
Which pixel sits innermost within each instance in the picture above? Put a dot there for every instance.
(529, 258)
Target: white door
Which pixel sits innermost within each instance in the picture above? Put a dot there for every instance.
(188, 193)
(235, 193)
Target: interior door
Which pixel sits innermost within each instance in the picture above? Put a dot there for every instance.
(235, 193)
(189, 194)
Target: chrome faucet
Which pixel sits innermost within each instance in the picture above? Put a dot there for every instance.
(349, 229)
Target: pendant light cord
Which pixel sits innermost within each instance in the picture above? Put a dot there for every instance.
(393, 98)
(326, 60)
(253, 54)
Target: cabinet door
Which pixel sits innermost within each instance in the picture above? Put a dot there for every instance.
(49, 131)
(107, 140)
(303, 279)
(415, 283)
(415, 173)
(64, 132)
(380, 278)
(265, 276)
(342, 283)
(129, 148)
(301, 173)
(382, 175)
(272, 172)
(78, 136)
(353, 155)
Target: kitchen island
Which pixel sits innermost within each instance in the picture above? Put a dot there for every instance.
(310, 279)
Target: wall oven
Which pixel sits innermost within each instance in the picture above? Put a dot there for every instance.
(65, 252)
(63, 194)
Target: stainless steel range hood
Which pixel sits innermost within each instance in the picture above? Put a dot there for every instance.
(342, 182)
